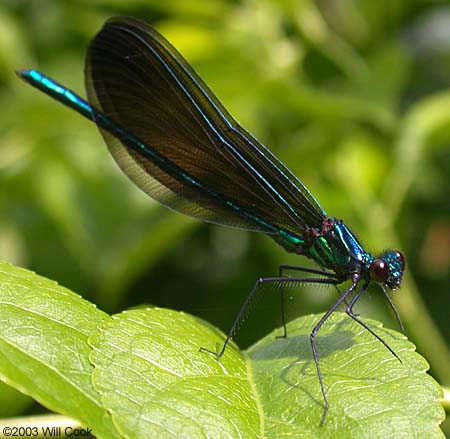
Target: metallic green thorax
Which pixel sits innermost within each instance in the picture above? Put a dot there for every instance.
(333, 246)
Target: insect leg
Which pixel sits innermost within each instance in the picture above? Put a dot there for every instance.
(286, 267)
(349, 311)
(243, 312)
(313, 334)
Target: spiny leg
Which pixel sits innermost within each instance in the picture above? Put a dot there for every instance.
(340, 294)
(281, 269)
(349, 311)
(394, 309)
(328, 274)
(282, 309)
(313, 334)
(249, 300)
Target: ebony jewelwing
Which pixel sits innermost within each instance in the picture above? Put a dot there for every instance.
(175, 140)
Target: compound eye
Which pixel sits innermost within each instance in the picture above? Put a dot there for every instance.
(379, 270)
(400, 258)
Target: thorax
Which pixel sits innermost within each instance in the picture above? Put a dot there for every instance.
(334, 247)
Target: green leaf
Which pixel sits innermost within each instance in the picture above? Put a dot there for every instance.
(154, 380)
(141, 372)
(43, 346)
(371, 394)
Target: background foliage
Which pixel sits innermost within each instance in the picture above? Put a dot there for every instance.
(353, 95)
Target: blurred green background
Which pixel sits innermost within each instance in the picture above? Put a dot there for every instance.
(353, 95)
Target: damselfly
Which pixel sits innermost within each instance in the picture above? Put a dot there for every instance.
(175, 140)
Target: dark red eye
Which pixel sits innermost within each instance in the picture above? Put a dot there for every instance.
(379, 270)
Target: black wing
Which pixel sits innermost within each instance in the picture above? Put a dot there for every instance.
(211, 168)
